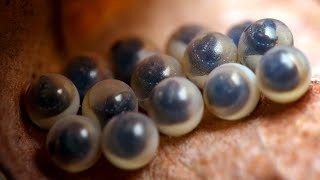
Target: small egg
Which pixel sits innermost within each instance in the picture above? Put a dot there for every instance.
(50, 98)
(235, 31)
(206, 52)
(176, 106)
(130, 140)
(259, 37)
(108, 98)
(283, 74)
(150, 72)
(179, 40)
(231, 92)
(73, 143)
(85, 71)
(126, 53)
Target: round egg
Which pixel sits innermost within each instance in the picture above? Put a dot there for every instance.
(50, 98)
(150, 72)
(179, 40)
(108, 98)
(231, 91)
(73, 143)
(85, 71)
(126, 53)
(176, 106)
(130, 140)
(259, 37)
(283, 74)
(206, 52)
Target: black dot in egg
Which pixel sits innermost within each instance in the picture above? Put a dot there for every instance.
(150, 72)
(126, 53)
(84, 72)
(206, 52)
(73, 143)
(227, 90)
(176, 106)
(259, 37)
(130, 140)
(281, 73)
(171, 104)
(126, 142)
(108, 98)
(50, 98)
(262, 36)
(115, 104)
(203, 56)
(231, 91)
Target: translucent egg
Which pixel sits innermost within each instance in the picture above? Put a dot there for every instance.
(108, 98)
(179, 40)
(74, 143)
(283, 74)
(235, 31)
(50, 98)
(206, 52)
(259, 37)
(176, 106)
(130, 140)
(150, 72)
(231, 91)
(126, 53)
(85, 71)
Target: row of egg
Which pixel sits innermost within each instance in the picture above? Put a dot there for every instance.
(174, 103)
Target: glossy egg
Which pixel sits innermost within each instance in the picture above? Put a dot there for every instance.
(130, 140)
(283, 74)
(50, 98)
(150, 72)
(85, 71)
(176, 106)
(259, 37)
(108, 98)
(206, 52)
(73, 143)
(231, 91)
(179, 40)
(235, 31)
(126, 53)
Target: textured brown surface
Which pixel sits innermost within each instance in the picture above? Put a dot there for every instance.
(275, 142)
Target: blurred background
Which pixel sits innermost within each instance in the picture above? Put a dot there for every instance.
(93, 25)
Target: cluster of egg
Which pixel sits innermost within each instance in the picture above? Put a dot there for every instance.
(167, 87)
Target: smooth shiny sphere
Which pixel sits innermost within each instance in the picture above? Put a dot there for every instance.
(150, 72)
(235, 31)
(126, 53)
(206, 52)
(108, 98)
(130, 140)
(259, 37)
(231, 91)
(85, 71)
(74, 143)
(283, 74)
(50, 98)
(176, 106)
(179, 40)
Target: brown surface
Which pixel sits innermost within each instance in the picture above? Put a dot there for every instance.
(275, 142)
